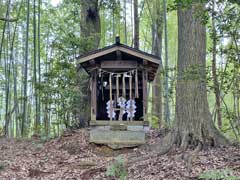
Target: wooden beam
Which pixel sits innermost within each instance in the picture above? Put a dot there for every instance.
(92, 62)
(110, 123)
(119, 55)
(145, 63)
(91, 69)
(139, 55)
(110, 95)
(95, 55)
(154, 65)
(114, 87)
(122, 49)
(123, 64)
(130, 95)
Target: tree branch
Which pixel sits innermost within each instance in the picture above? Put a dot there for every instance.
(9, 20)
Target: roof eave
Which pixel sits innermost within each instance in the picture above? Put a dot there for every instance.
(101, 52)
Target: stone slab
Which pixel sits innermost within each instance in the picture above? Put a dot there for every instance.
(118, 127)
(117, 139)
(129, 128)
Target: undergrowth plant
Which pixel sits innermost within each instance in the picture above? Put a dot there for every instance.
(218, 174)
(117, 168)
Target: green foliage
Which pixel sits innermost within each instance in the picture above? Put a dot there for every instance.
(1, 131)
(2, 167)
(155, 121)
(223, 174)
(63, 92)
(45, 138)
(117, 169)
(110, 4)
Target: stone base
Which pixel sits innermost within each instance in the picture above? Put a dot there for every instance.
(117, 139)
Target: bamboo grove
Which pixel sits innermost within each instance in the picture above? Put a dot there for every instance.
(42, 93)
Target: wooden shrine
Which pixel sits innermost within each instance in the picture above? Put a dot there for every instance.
(118, 84)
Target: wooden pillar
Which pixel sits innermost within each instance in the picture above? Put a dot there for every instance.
(93, 95)
(130, 95)
(110, 95)
(145, 100)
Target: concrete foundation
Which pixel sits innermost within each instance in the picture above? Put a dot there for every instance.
(116, 139)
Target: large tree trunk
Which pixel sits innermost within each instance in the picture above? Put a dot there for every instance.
(166, 88)
(125, 22)
(25, 113)
(37, 116)
(90, 36)
(157, 29)
(90, 24)
(214, 69)
(136, 25)
(194, 124)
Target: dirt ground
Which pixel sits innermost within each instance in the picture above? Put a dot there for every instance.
(71, 157)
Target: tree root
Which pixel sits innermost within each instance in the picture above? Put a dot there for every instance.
(173, 140)
(156, 150)
(218, 139)
(190, 157)
(164, 146)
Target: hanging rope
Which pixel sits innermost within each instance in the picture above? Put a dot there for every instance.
(132, 94)
(115, 73)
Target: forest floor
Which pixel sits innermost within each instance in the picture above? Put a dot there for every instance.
(72, 157)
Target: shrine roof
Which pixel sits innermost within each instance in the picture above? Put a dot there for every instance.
(118, 47)
(120, 52)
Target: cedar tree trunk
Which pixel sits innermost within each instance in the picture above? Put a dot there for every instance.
(90, 37)
(136, 25)
(157, 31)
(90, 24)
(193, 124)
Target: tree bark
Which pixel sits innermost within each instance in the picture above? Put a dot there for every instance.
(39, 60)
(193, 119)
(90, 24)
(90, 34)
(166, 88)
(125, 22)
(136, 25)
(214, 70)
(157, 29)
(7, 72)
(193, 123)
(25, 114)
(37, 120)
(4, 28)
